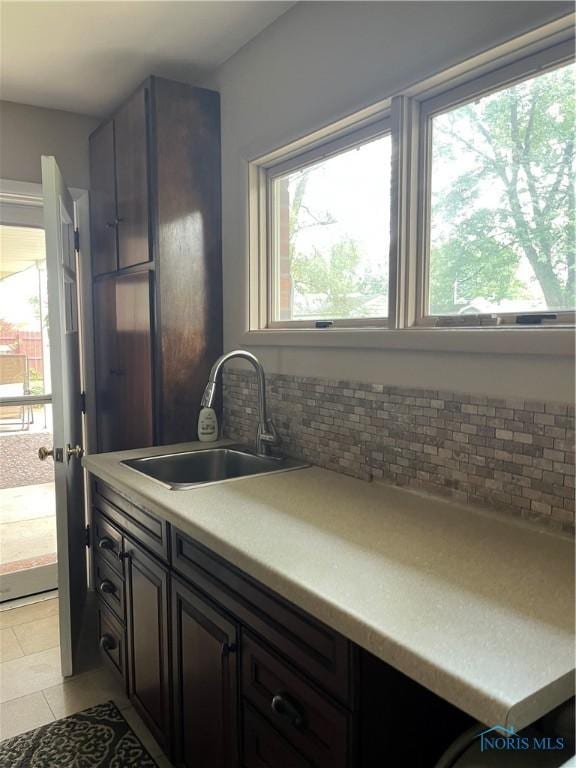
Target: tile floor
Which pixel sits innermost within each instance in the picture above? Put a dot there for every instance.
(32, 690)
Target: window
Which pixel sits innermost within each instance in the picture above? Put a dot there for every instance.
(330, 234)
(501, 208)
(452, 204)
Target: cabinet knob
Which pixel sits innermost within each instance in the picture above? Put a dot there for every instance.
(283, 706)
(107, 643)
(110, 546)
(106, 587)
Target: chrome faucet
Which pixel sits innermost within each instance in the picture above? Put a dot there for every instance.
(267, 436)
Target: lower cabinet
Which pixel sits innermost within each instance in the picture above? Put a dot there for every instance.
(299, 715)
(147, 605)
(205, 665)
(227, 674)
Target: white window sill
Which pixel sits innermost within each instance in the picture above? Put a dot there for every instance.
(484, 341)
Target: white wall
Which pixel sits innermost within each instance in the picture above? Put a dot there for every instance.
(321, 61)
(27, 133)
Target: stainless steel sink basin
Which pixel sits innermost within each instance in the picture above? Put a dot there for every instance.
(179, 471)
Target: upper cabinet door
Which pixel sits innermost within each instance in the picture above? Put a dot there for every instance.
(103, 200)
(109, 426)
(133, 375)
(132, 181)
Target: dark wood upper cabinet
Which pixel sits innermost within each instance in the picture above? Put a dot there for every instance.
(133, 367)
(156, 212)
(131, 129)
(105, 353)
(123, 350)
(147, 635)
(103, 200)
(187, 201)
(205, 678)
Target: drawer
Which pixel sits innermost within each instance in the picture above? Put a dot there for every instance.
(112, 640)
(110, 587)
(265, 748)
(321, 653)
(310, 722)
(145, 527)
(108, 542)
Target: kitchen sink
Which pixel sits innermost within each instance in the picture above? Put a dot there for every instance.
(190, 469)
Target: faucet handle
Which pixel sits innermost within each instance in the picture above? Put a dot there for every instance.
(267, 433)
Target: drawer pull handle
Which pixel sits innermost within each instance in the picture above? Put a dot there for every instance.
(110, 546)
(106, 587)
(107, 643)
(283, 706)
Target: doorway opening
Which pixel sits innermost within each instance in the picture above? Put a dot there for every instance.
(28, 553)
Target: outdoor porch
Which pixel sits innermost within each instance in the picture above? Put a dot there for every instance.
(27, 501)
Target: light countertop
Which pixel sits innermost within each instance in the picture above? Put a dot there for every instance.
(476, 607)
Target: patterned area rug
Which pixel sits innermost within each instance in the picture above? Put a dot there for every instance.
(99, 737)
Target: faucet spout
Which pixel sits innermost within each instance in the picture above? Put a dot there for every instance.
(267, 436)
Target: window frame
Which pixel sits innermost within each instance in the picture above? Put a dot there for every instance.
(407, 326)
(341, 141)
(493, 81)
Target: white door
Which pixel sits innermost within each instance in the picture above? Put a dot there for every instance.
(63, 316)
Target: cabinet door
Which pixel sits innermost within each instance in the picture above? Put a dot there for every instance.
(205, 682)
(147, 628)
(103, 200)
(105, 363)
(123, 361)
(132, 181)
(132, 371)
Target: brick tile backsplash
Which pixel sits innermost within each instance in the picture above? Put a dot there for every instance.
(514, 456)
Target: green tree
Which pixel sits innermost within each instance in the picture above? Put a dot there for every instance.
(331, 275)
(522, 142)
(335, 275)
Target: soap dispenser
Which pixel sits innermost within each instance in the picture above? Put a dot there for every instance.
(207, 425)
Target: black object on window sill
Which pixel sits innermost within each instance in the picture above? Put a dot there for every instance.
(535, 319)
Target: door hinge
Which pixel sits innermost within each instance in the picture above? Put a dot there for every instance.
(87, 536)
(83, 402)
(77, 240)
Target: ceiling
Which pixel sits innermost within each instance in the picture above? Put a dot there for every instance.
(20, 248)
(86, 57)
